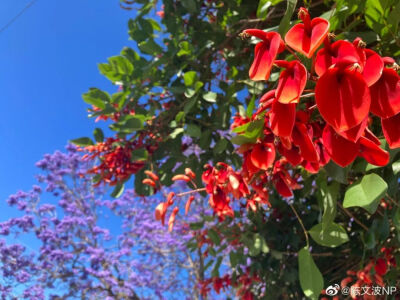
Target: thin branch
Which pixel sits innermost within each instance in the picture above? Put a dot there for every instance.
(301, 223)
(352, 216)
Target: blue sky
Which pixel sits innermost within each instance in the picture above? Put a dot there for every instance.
(48, 58)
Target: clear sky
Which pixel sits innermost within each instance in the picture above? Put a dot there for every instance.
(48, 58)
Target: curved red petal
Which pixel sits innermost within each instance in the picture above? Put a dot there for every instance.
(265, 53)
(391, 131)
(354, 133)
(343, 98)
(385, 94)
(282, 118)
(281, 187)
(258, 33)
(307, 42)
(341, 151)
(373, 153)
(373, 67)
(263, 155)
(302, 139)
(292, 82)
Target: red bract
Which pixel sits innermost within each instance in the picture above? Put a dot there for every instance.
(263, 155)
(306, 37)
(302, 137)
(373, 67)
(385, 94)
(265, 53)
(292, 81)
(343, 98)
(334, 53)
(390, 128)
(282, 118)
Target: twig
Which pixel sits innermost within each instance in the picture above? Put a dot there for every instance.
(301, 223)
(352, 216)
(191, 192)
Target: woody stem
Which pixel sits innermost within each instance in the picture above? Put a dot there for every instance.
(191, 192)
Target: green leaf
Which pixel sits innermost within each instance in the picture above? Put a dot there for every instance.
(193, 130)
(311, 280)
(330, 194)
(332, 235)
(366, 193)
(189, 78)
(210, 97)
(196, 226)
(233, 258)
(215, 271)
(190, 5)
(98, 135)
(118, 190)
(262, 8)
(150, 47)
(250, 107)
(336, 172)
(129, 124)
(83, 142)
(285, 22)
(184, 49)
(220, 146)
(214, 236)
(139, 154)
(96, 97)
(176, 132)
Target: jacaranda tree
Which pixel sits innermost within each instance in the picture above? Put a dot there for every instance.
(293, 127)
(83, 246)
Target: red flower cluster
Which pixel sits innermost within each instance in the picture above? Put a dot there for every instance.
(221, 181)
(243, 283)
(371, 276)
(116, 164)
(347, 82)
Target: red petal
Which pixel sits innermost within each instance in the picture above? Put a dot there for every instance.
(391, 130)
(302, 138)
(342, 151)
(354, 133)
(312, 167)
(292, 155)
(263, 155)
(292, 82)
(338, 51)
(342, 98)
(307, 43)
(373, 67)
(381, 266)
(264, 55)
(282, 118)
(385, 94)
(281, 187)
(373, 153)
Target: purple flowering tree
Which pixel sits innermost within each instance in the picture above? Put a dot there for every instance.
(90, 247)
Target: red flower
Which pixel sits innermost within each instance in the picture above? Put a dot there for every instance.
(263, 155)
(343, 98)
(292, 81)
(390, 128)
(385, 94)
(334, 53)
(265, 53)
(306, 37)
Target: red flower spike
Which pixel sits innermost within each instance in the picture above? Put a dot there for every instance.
(372, 153)
(172, 219)
(343, 98)
(390, 128)
(306, 37)
(342, 151)
(292, 81)
(333, 53)
(385, 94)
(265, 53)
(373, 67)
(170, 198)
(151, 175)
(303, 139)
(149, 182)
(282, 118)
(263, 155)
(190, 173)
(354, 133)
